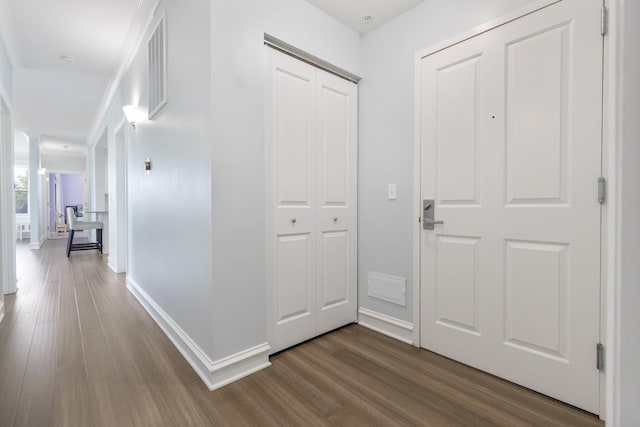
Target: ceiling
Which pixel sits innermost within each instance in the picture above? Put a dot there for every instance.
(352, 12)
(56, 100)
(53, 99)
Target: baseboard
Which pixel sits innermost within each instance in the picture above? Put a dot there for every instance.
(37, 245)
(1, 310)
(111, 266)
(214, 374)
(386, 325)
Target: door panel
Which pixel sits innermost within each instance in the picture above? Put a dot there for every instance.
(311, 155)
(457, 129)
(291, 253)
(537, 87)
(337, 106)
(510, 137)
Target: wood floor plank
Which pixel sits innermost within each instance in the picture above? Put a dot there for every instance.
(36, 406)
(14, 354)
(185, 411)
(72, 407)
(146, 402)
(107, 394)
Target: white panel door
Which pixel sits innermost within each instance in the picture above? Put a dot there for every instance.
(311, 157)
(510, 152)
(291, 213)
(337, 151)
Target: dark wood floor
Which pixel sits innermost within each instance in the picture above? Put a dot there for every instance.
(76, 349)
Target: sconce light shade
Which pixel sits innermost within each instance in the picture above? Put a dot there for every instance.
(134, 114)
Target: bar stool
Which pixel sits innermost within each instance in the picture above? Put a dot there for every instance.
(75, 225)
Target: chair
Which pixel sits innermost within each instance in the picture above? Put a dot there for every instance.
(75, 225)
(61, 226)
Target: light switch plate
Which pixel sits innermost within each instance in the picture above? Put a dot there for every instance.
(392, 192)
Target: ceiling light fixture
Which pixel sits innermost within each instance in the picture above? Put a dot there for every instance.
(68, 59)
(368, 19)
(134, 114)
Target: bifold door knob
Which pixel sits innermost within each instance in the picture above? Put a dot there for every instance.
(335, 219)
(293, 220)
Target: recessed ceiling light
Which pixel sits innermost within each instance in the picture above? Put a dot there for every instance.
(368, 19)
(67, 59)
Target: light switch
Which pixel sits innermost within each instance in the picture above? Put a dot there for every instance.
(392, 192)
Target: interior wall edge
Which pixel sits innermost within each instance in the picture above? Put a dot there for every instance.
(386, 325)
(214, 374)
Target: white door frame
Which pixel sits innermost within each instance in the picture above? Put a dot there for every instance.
(609, 328)
(117, 165)
(8, 282)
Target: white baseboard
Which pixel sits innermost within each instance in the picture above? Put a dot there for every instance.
(387, 325)
(37, 245)
(111, 266)
(214, 374)
(1, 310)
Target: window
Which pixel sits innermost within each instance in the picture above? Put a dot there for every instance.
(21, 186)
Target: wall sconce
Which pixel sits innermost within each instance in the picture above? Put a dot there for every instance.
(134, 114)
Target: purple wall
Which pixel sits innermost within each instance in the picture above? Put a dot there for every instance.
(71, 190)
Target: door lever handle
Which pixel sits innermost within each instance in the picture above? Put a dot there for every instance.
(428, 220)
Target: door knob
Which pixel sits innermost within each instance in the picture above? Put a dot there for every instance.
(293, 220)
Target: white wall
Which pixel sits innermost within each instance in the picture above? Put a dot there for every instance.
(117, 197)
(237, 151)
(98, 162)
(35, 194)
(629, 215)
(63, 163)
(170, 207)
(386, 134)
(6, 75)
(7, 212)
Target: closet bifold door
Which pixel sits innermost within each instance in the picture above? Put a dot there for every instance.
(311, 171)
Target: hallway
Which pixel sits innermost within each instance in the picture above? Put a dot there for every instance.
(76, 349)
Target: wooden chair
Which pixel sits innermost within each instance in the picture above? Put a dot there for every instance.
(75, 225)
(61, 227)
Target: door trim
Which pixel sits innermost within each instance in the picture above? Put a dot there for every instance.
(313, 60)
(610, 162)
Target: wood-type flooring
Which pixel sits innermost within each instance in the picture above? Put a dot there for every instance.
(77, 349)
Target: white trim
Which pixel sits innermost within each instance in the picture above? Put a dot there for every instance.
(1, 308)
(612, 165)
(214, 374)
(487, 26)
(386, 325)
(142, 22)
(37, 245)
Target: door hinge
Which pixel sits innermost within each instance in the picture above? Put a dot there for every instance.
(600, 357)
(603, 21)
(602, 190)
